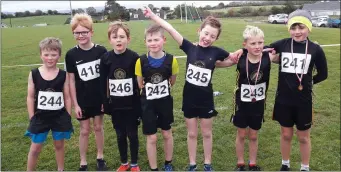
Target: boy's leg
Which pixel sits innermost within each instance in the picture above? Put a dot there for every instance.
(99, 135)
(240, 140)
(59, 149)
(192, 135)
(33, 155)
(83, 140)
(151, 150)
(253, 145)
(134, 143)
(206, 131)
(305, 145)
(168, 144)
(122, 144)
(286, 137)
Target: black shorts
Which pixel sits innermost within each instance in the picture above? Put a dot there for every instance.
(248, 114)
(55, 121)
(157, 114)
(90, 112)
(290, 115)
(200, 113)
(126, 119)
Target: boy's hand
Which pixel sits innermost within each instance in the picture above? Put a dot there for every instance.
(270, 50)
(147, 12)
(234, 57)
(78, 112)
(195, 43)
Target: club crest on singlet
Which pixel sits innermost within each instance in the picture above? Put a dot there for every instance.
(156, 78)
(119, 73)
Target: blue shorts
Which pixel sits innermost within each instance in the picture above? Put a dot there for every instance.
(41, 137)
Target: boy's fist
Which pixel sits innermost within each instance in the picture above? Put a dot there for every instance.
(147, 12)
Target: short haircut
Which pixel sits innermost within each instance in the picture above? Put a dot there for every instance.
(153, 28)
(81, 19)
(213, 22)
(252, 31)
(51, 43)
(114, 26)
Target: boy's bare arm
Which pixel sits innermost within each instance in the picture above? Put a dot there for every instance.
(67, 98)
(226, 63)
(172, 79)
(140, 81)
(164, 24)
(72, 84)
(30, 96)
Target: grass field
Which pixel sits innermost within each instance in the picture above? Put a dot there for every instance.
(20, 46)
(30, 21)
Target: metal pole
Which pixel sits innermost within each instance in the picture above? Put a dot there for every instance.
(190, 12)
(70, 9)
(186, 12)
(181, 13)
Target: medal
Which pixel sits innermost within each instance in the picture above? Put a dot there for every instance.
(247, 76)
(300, 87)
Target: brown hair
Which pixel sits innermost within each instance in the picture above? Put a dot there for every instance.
(51, 43)
(82, 19)
(114, 26)
(213, 22)
(154, 28)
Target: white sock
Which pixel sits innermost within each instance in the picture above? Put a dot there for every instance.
(286, 162)
(305, 167)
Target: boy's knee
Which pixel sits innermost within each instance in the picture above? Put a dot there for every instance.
(286, 136)
(207, 134)
(98, 128)
(192, 135)
(253, 137)
(59, 146)
(35, 151)
(152, 139)
(85, 132)
(304, 139)
(167, 135)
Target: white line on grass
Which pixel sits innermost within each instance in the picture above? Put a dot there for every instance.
(178, 57)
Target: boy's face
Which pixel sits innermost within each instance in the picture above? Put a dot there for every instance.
(49, 57)
(207, 36)
(254, 45)
(155, 42)
(299, 32)
(119, 41)
(82, 35)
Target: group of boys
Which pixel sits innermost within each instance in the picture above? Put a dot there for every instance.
(130, 87)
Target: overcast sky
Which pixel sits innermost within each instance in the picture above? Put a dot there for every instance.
(16, 6)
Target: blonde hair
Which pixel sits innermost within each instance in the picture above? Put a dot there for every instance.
(51, 43)
(252, 31)
(154, 28)
(82, 19)
(114, 26)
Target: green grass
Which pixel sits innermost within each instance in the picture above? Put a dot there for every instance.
(30, 21)
(20, 46)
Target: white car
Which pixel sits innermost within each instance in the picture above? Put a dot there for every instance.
(278, 18)
(320, 22)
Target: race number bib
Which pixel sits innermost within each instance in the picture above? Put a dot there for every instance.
(50, 100)
(89, 71)
(121, 87)
(258, 92)
(296, 62)
(157, 91)
(198, 76)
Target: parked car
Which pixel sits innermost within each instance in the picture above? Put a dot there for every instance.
(278, 18)
(334, 23)
(321, 22)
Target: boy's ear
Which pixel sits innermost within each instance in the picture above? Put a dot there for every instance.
(198, 31)
(128, 40)
(164, 38)
(244, 43)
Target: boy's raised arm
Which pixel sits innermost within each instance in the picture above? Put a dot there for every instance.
(168, 27)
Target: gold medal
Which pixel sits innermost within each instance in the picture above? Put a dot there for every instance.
(300, 87)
